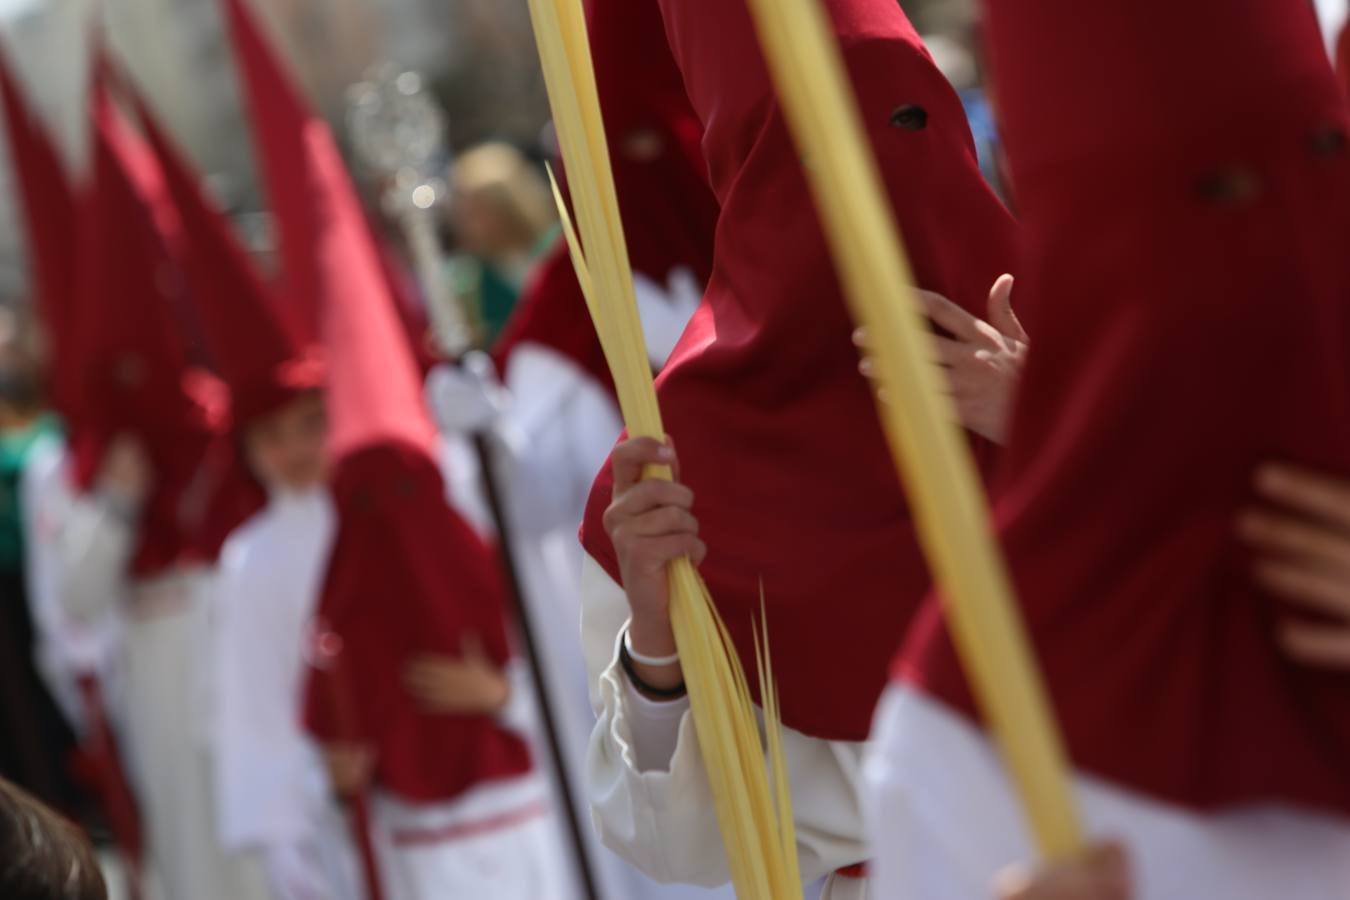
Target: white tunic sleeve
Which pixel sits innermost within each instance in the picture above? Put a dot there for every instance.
(74, 638)
(95, 546)
(655, 726)
(661, 818)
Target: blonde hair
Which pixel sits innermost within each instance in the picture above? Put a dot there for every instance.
(502, 175)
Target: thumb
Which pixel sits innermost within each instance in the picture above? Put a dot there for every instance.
(1001, 314)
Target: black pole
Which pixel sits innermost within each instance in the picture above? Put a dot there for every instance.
(511, 570)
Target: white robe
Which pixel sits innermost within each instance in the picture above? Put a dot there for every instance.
(159, 654)
(944, 822)
(167, 663)
(270, 776)
(650, 797)
(499, 841)
(73, 640)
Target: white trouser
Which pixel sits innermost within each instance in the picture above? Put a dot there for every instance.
(944, 821)
(170, 763)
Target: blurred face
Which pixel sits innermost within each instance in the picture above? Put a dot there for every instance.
(480, 227)
(286, 448)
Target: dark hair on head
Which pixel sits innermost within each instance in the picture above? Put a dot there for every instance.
(42, 856)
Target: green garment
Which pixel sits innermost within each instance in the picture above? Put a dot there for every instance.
(489, 292)
(15, 446)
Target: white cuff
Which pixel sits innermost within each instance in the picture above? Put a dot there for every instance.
(655, 728)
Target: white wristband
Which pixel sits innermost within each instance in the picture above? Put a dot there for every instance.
(641, 659)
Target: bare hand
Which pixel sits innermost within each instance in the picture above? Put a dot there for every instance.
(1302, 542)
(982, 361)
(651, 525)
(469, 685)
(349, 767)
(1100, 874)
(125, 473)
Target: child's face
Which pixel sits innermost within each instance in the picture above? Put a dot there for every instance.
(286, 448)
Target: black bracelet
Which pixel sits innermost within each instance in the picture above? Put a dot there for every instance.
(655, 693)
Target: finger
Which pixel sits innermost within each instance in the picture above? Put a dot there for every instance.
(1013, 883)
(1324, 646)
(860, 338)
(1305, 541)
(427, 678)
(1322, 496)
(963, 383)
(948, 315)
(1081, 878)
(948, 352)
(653, 554)
(667, 520)
(1001, 314)
(1307, 587)
(632, 456)
(674, 459)
(646, 496)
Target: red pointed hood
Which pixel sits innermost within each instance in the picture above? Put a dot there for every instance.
(375, 393)
(135, 358)
(282, 126)
(1191, 271)
(49, 214)
(764, 385)
(331, 258)
(136, 374)
(263, 363)
(668, 210)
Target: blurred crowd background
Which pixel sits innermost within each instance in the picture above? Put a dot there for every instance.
(477, 57)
